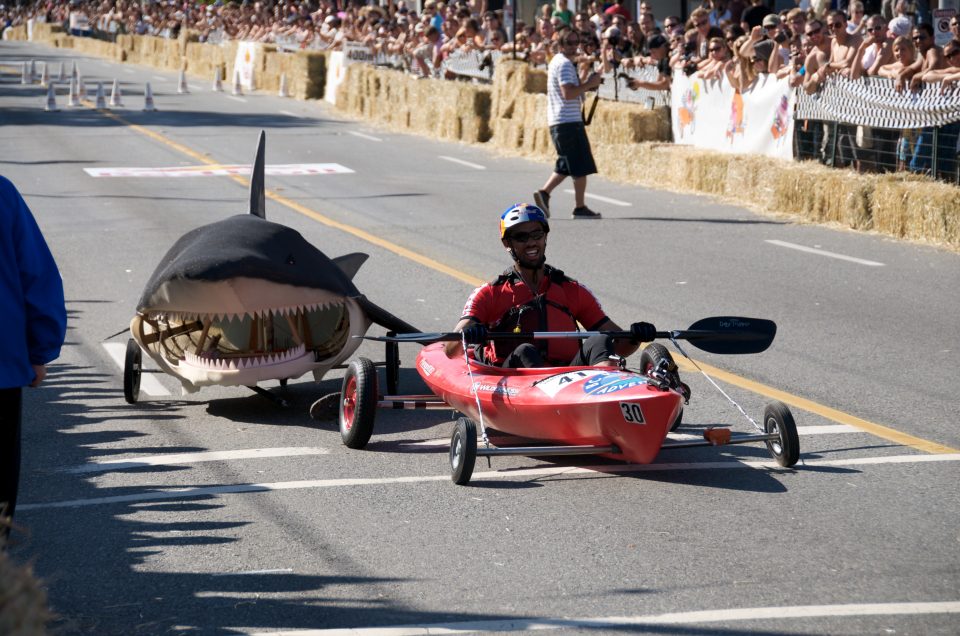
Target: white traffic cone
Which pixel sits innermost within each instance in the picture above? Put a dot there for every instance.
(51, 99)
(74, 100)
(74, 72)
(182, 84)
(116, 99)
(101, 98)
(81, 87)
(217, 82)
(45, 75)
(283, 86)
(148, 106)
(61, 77)
(237, 89)
(33, 71)
(24, 76)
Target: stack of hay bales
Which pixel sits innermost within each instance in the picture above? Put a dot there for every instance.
(306, 72)
(23, 601)
(456, 111)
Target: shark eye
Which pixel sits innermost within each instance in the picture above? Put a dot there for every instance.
(291, 260)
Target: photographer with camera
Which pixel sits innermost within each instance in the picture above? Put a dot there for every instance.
(565, 93)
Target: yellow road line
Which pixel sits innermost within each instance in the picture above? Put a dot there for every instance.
(840, 417)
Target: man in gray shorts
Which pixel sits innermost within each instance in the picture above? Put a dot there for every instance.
(565, 91)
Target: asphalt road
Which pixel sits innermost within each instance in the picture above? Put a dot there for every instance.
(293, 531)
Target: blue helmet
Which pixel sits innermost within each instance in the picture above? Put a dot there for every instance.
(521, 213)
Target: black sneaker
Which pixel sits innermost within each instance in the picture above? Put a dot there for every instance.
(542, 199)
(585, 213)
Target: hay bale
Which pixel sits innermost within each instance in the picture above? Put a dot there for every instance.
(23, 601)
(917, 208)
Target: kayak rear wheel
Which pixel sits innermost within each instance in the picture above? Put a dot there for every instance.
(358, 403)
(463, 451)
(650, 359)
(778, 420)
(132, 370)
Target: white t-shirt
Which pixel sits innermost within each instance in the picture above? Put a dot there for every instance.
(559, 110)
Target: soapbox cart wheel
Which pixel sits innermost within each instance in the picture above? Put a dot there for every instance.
(358, 403)
(650, 359)
(778, 420)
(463, 451)
(132, 369)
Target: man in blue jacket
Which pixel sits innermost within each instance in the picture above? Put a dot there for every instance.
(33, 322)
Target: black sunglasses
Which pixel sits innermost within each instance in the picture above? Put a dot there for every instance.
(814, 32)
(523, 237)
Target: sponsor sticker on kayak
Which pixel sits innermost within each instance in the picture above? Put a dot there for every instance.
(555, 383)
(604, 383)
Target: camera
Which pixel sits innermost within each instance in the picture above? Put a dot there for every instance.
(780, 38)
(689, 48)
(690, 68)
(614, 40)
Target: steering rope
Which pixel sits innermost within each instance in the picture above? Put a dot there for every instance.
(473, 389)
(715, 385)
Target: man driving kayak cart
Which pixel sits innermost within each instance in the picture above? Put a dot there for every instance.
(533, 296)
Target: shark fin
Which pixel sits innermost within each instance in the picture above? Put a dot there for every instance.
(350, 264)
(384, 318)
(258, 205)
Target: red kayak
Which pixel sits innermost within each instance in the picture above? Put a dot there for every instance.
(609, 411)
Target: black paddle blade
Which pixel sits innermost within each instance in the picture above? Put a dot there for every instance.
(257, 180)
(418, 338)
(728, 335)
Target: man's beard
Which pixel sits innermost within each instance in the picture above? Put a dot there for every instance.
(527, 263)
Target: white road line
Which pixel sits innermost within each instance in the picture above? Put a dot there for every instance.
(211, 491)
(475, 166)
(148, 384)
(129, 71)
(289, 114)
(236, 99)
(623, 204)
(159, 79)
(193, 458)
(620, 622)
(248, 572)
(813, 250)
(363, 136)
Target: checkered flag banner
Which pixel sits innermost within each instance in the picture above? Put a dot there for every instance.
(471, 63)
(873, 101)
(623, 93)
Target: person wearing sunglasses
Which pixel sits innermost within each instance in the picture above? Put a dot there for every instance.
(533, 296)
(929, 58)
(565, 92)
(875, 51)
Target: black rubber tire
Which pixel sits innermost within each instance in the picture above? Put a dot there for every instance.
(463, 451)
(393, 368)
(132, 370)
(650, 358)
(778, 419)
(358, 403)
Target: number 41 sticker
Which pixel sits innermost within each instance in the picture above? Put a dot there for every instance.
(631, 412)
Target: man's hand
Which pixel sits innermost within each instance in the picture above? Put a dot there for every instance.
(643, 332)
(475, 334)
(40, 371)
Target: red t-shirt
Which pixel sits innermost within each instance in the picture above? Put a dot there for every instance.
(491, 304)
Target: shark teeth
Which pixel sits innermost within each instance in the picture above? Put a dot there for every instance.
(186, 316)
(212, 360)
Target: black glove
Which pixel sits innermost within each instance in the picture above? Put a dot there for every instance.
(475, 334)
(643, 332)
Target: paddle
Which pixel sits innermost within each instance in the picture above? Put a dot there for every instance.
(719, 334)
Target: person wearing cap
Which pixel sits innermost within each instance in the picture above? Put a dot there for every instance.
(565, 92)
(762, 44)
(534, 296)
(659, 57)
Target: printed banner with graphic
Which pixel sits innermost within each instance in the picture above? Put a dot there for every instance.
(337, 63)
(713, 115)
(245, 63)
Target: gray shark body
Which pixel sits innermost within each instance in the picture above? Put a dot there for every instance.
(245, 300)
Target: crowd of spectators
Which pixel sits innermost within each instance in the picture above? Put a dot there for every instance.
(739, 39)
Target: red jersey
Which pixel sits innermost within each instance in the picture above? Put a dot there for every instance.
(508, 304)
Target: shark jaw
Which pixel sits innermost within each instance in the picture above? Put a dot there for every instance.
(242, 331)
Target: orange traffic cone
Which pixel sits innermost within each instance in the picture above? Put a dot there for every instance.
(51, 99)
(237, 89)
(101, 99)
(148, 100)
(182, 84)
(116, 99)
(74, 100)
(217, 82)
(283, 86)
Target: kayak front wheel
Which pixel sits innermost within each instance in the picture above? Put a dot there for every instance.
(358, 403)
(778, 420)
(463, 451)
(132, 370)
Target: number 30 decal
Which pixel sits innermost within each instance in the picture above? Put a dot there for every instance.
(631, 412)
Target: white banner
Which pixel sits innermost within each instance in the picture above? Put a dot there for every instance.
(245, 63)
(337, 63)
(713, 115)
